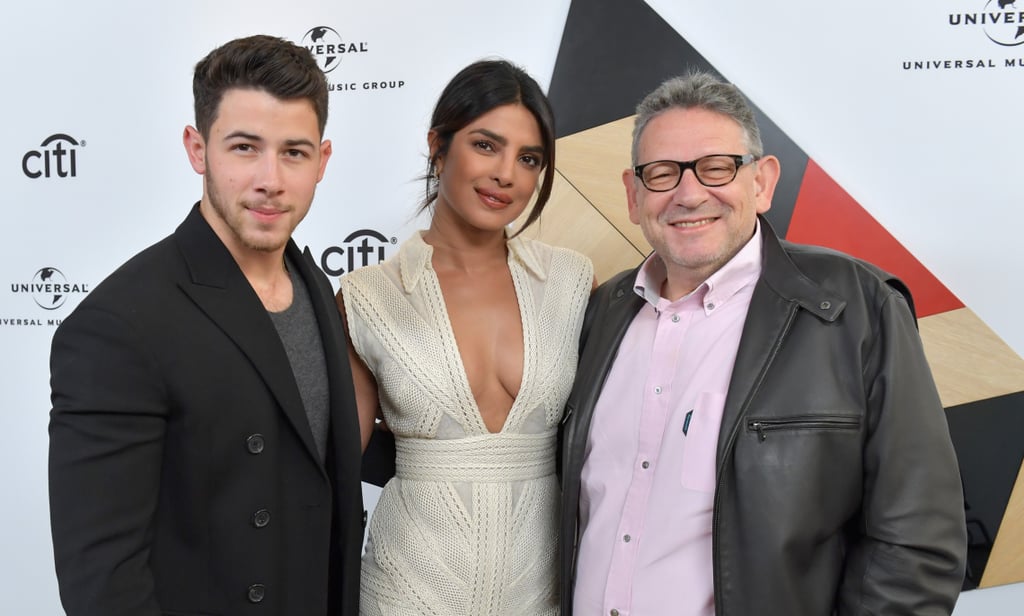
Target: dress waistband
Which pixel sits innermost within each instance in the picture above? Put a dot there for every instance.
(479, 459)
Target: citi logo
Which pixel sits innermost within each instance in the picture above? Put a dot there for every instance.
(327, 47)
(54, 158)
(1000, 20)
(361, 248)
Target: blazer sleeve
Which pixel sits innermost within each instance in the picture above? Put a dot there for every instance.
(911, 553)
(106, 443)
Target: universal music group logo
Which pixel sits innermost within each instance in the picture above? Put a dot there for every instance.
(49, 288)
(328, 47)
(331, 49)
(999, 21)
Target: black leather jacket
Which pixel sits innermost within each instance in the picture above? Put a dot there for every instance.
(838, 487)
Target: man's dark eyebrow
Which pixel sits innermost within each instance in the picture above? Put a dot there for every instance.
(238, 134)
(503, 141)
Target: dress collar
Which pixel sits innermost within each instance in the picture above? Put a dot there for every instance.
(415, 254)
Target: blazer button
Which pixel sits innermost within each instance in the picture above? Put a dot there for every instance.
(261, 518)
(255, 444)
(256, 593)
(364, 518)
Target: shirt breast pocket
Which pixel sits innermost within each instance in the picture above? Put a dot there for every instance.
(700, 428)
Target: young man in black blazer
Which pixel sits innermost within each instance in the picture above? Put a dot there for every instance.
(204, 447)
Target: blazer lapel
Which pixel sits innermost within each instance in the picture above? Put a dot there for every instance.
(344, 419)
(221, 291)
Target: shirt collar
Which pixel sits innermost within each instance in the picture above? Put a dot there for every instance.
(743, 269)
(414, 258)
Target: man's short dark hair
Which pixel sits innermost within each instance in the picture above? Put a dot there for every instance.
(278, 67)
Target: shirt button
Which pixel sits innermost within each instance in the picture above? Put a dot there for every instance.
(645, 464)
(675, 318)
(711, 306)
(657, 390)
(614, 612)
(627, 538)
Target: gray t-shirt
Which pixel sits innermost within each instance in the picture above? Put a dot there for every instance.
(300, 334)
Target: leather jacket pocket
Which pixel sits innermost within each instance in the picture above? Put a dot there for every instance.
(765, 427)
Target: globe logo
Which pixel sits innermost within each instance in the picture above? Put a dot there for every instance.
(1005, 26)
(48, 288)
(326, 46)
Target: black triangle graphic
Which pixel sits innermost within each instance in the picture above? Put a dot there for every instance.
(613, 52)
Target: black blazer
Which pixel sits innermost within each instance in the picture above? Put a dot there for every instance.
(183, 474)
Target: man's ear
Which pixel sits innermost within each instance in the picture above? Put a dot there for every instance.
(326, 149)
(195, 147)
(767, 178)
(629, 181)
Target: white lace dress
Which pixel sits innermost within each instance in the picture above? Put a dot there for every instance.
(468, 525)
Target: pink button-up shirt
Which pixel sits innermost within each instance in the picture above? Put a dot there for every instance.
(648, 481)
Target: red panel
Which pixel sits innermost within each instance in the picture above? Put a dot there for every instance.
(826, 215)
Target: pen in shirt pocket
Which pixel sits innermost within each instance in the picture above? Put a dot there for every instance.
(686, 422)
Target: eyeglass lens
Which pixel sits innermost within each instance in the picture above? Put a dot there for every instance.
(710, 171)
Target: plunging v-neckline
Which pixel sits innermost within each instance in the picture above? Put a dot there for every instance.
(452, 347)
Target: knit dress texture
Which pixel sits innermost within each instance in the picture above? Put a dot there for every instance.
(468, 524)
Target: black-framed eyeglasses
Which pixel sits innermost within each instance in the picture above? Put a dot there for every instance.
(711, 171)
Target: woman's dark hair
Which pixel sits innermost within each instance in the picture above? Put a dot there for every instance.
(477, 89)
(276, 66)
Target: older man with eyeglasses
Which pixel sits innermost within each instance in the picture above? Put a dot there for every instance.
(754, 429)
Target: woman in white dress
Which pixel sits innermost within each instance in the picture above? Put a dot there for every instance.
(466, 343)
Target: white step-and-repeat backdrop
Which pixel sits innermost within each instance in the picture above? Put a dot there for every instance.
(95, 97)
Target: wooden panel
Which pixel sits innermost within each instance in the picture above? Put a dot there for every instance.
(969, 361)
(593, 162)
(570, 220)
(1006, 563)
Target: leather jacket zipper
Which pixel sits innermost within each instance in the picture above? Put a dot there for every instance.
(834, 422)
